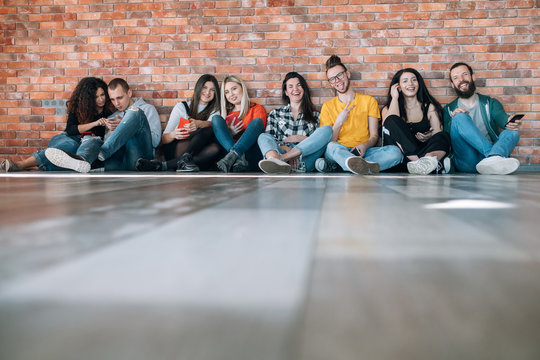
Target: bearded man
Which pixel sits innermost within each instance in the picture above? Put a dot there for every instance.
(482, 135)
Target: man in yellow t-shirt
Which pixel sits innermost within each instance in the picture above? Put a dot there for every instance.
(355, 120)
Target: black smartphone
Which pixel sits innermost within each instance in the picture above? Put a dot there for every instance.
(516, 117)
(355, 152)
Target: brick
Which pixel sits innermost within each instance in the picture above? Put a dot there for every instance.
(163, 46)
(503, 30)
(432, 7)
(486, 22)
(501, 48)
(413, 16)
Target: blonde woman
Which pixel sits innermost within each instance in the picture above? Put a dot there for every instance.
(237, 129)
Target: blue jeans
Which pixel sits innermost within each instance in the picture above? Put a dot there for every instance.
(87, 148)
(247, 139)
(312, 147)
(470, 146)
(130, 141)
(386, 156)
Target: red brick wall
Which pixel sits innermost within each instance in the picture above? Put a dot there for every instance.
(162, 46)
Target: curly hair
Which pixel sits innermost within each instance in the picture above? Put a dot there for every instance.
(82, 102)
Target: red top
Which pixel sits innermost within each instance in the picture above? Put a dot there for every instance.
(255, 111)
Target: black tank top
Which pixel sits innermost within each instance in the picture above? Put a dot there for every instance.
(421, 126)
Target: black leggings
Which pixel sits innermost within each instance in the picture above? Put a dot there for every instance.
(201, 145)
(398, 132)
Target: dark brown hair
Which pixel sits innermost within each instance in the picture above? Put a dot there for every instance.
(332, 61)
(82, 102)
(114, 83)
(307, 107)
(212, 106)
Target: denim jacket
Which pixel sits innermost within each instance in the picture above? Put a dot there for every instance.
(493, 114)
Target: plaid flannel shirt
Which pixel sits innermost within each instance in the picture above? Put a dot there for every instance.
(281, 124)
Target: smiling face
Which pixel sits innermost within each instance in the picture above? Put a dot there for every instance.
(234, 93)
(208, 93)
(294, 90)
(120, 98)
(338, 78)
(408, 83)
(101, 99)
(462, 81)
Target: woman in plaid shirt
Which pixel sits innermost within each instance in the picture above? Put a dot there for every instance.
(293, 139)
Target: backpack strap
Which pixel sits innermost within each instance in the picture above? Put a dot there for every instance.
(186, 106)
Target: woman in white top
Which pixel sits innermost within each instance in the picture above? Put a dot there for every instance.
(188, 140)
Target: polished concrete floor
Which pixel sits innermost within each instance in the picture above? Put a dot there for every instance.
(209, 267)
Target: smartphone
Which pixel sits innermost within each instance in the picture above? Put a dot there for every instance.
(183, 122)
(516, 117)
(231, 119)
(355, 152)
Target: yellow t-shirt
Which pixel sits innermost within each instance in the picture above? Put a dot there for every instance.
(355, 129)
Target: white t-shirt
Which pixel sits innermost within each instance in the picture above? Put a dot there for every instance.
(180, 111)
(476, 115)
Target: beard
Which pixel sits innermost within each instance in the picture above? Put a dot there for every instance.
(346, 88)
(467, 93)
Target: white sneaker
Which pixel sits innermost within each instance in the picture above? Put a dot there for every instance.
(274, 166)
(497, 165)
(423, 166)
(64, 160)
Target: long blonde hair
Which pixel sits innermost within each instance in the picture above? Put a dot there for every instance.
(226, 106)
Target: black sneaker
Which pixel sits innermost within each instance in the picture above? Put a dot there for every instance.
(148, 165)
(186, 164)
(225, 164)
(326, 166)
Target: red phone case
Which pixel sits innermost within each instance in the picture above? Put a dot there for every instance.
(183, 122)
(230, 119)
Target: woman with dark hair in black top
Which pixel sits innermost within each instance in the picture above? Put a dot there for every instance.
(412, 121)
(87, 108)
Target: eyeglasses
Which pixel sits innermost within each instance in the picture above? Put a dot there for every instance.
(339, 76)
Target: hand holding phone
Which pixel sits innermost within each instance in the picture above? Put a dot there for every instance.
(516, 117)
(112, 124)
(182, 123)
(232, 120)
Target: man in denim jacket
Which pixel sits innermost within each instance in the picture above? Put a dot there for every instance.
(482, 137)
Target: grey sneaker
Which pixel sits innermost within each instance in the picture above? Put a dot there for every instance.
(225, 164)
(66, 160)
(240, 165)
(423, 166)
(186, 164)
(9, 166)
(326, 166)
(274, 166)
(497, 165)
(301, 168)
(357, 165)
